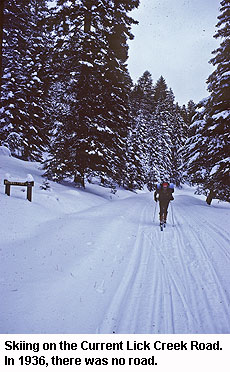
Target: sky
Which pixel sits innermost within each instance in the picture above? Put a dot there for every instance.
(174, 38)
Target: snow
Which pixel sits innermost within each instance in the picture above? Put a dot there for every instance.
(224, 114)
(4, 151)
(10, 94)
(214, 169)
(89, 261)
(36, 79)
(86, 63)
(29, 177)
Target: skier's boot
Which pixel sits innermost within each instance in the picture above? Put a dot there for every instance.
(164, 218)
(161, 221)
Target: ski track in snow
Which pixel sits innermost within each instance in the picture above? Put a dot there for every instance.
(171, 284)
(131, 278)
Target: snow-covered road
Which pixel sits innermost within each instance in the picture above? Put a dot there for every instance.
(175, 281)
(77, 262)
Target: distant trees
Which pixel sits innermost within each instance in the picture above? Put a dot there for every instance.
(179, 135)
(66, 89)
(142, 112)
(163, 120)
(160, 129)
(66, 92)
(207, 162)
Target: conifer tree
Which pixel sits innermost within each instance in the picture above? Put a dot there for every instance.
(187, 113)
(194, 152)
(142, 112)
(163, 121)
(92, 139)
(23, 119)
(178, 138)
(209, 163)
(160, 130)
(134, 171)
(218, 110)
(1, 37)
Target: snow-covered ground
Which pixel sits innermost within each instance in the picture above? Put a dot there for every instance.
(88, 261)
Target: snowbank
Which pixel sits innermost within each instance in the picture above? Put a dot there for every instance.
(88, 261)
(4, 151)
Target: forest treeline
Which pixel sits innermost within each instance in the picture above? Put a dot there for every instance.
(67, 100)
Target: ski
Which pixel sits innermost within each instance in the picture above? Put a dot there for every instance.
(162, 225)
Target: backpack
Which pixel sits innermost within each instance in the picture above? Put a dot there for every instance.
(165, 191)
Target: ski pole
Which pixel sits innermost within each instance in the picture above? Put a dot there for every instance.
(172, 215)
(154, 215)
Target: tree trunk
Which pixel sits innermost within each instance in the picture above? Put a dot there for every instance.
(102, 181)
(88, 16)
(210, 196)
(79, 179)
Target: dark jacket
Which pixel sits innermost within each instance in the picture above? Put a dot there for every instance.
(164, 194)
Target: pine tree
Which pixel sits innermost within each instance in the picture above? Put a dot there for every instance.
(194, 152)
(218, 108)
(163, 121)
(1, 37)
(187, 113)
(159, 130)
(178, 138)
(23, 119)
(134, 171)
(209, 163)
(142, 112)
(92, 139)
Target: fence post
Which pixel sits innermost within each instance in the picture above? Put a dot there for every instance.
(7, 188)
(29, 192)
(28, 184)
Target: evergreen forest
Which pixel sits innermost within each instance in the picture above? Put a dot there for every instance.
(69, 102)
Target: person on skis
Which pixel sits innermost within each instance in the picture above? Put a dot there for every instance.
(163, 193)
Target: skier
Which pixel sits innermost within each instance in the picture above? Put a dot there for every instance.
(163, 193)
